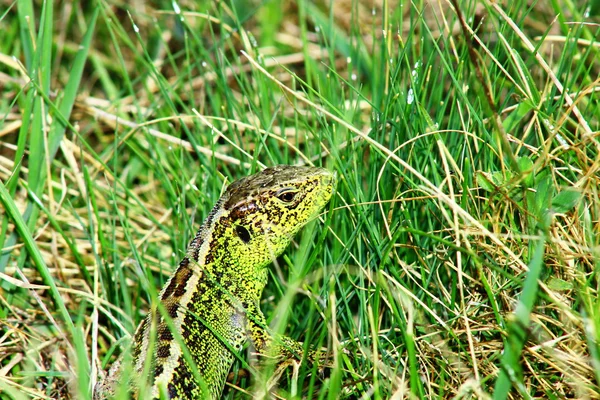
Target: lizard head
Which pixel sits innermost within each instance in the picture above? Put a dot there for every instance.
(263, 212)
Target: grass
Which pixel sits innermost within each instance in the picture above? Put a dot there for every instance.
(459, 257)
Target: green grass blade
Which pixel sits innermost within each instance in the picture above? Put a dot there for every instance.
(70, 91)
(517, 329)
(36, 256)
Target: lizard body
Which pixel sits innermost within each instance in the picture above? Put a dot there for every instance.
(212, 299)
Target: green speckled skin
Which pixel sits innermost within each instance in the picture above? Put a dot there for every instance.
(214, 294)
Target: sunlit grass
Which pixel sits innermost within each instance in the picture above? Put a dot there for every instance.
(459, 256)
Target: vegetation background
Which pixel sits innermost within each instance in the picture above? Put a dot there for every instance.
(459, 258)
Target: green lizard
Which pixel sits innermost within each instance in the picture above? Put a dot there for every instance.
(213, 296)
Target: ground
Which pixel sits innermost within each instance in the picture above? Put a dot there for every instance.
(459, 257)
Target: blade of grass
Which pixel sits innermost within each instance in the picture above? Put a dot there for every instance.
(26, 26)
(517, 329)
(34, 252)
(65, 107)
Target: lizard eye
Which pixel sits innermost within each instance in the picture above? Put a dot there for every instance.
(286, 195)
(243, 233)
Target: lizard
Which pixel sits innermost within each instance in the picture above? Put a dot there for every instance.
(212, 299)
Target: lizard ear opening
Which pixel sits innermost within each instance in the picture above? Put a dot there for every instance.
(243, 233)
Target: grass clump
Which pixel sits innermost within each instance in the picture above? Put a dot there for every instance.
(459, 257)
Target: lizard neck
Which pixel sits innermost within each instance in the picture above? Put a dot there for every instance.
(217, 252)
